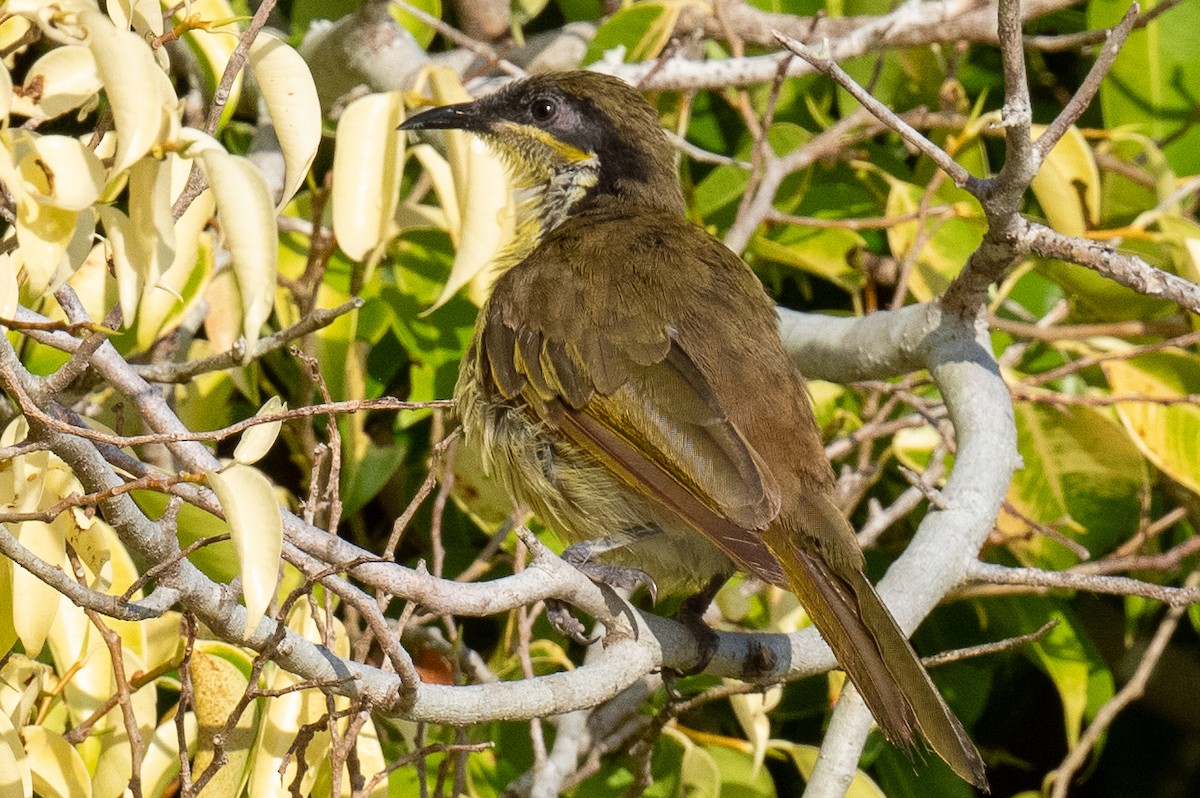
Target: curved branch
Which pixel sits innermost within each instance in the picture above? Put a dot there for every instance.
(958, 355)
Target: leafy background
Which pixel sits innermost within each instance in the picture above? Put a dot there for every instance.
(1104, 382)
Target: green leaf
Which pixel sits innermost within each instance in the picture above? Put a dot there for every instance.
(643, 30)
(219, 560)
(421, 32)
(1166, 433)
(1097, 298)
(1122, 198)
(824, 252)
(1067, 655)
(1082, 476)
(902, 777)
(1154, 83)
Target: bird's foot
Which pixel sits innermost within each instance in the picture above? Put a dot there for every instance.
(563, 619)
(691, 615)
(580, 555)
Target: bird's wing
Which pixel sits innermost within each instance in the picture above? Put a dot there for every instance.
(637, 402)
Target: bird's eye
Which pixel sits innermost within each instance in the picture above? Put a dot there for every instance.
(543, 109)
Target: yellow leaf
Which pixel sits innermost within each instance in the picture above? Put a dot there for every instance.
(58, 770)
(257, 440)
(60, 81)
(217, 685)
(256, 524)
(291, 98)
(368, 163)
(15, 779)
(128, 71)
(1068, 184)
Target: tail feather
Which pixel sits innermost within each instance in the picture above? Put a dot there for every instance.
(824, 568)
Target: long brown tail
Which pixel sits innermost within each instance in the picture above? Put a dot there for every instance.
(817, 550)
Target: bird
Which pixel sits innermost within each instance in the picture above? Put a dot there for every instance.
(626, 382)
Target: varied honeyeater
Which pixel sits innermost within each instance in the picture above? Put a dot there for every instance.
(628, 384)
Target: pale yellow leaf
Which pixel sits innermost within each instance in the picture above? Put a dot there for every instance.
(58, 170)
(256, 524)
(15, 779)
(213, 46)
(291, 97)
(480, 213)
(248, 224)
(150, 219)
(9, 291)
(1166, 432)
(127, 69)
(751, 711)
(217, 685)
(368, 162)
(35, 604)
(6, 91)
(130, 280)
(44, 233)
(258, 440)
(282, 721)
(223, 323)
(487, 219)
(114, 763)
(1068, 184)
(62, 80)
(160, 765)
(14, 32)
(8, 632)
(58, 770)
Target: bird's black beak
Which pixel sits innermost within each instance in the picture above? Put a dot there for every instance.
(464, 116)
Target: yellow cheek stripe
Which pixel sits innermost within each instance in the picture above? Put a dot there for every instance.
(567, 152)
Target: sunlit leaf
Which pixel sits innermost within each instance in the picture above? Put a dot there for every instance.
(217, 685)
(58, 770)
(15, 779)
(256, 523)
(160, 765)
(35, 603)
(944, 243)
(257, 440)
(481, 198)
(1082, 476)
(368, 163)
(1068, 184)
(1165, 432)
(132, 81)
(62, 80)
(122, 250)
(213, 46)
(291, 97)
(247, 216)
(282, 721)
(751, 711)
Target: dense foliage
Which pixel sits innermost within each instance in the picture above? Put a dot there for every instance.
(186, 243)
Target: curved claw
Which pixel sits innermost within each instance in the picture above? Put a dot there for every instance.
(619, 576)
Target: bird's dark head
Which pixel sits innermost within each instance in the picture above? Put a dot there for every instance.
(577, 139)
